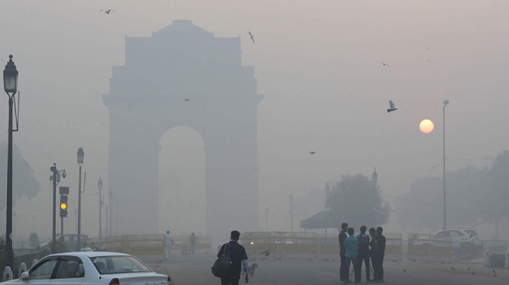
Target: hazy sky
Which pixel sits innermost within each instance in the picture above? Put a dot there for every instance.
(319, 65)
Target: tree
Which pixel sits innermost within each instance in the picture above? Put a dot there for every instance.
(494, 199)
(423, 205)
(357, 201)
(24, 181)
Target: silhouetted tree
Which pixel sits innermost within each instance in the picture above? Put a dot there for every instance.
(357, 201)
(423, 205)
(495, 197)
(24, 182)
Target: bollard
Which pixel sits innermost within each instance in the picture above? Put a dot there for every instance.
(507, 258)
(487, 261)
(34, 262)
(22, 268)
(7, 274)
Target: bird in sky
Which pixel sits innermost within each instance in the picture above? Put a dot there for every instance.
(452, 268)
(391, 107)
(312, 152)
(469, 269)
(187, 99)
(384, 64)
(473, 273)
(107, 11)
(404, 270)
(251, 36)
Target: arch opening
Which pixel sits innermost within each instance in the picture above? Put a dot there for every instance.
(182, 194)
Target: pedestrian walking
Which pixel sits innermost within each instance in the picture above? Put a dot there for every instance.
(192, 243)
(363, 252)
(168, 244)
(343, 268)
(238, 260)
(351, 247)
(379, 255)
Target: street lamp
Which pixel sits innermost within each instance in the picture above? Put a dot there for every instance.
(10, 87)
(100, 188)
(81, 155)
(443, 136)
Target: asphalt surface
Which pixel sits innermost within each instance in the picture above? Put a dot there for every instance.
(196, 270)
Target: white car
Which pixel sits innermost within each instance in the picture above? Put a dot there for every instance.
(459, 237)
(90, 267)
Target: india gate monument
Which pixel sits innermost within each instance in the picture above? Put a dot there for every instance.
(184, 76)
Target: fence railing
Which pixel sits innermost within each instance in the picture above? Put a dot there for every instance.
(278, 245)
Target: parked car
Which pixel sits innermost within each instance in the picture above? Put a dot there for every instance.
(90, 267)
(460, 238)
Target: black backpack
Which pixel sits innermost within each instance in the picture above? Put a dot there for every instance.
(222, 265)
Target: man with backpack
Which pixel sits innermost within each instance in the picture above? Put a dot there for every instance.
(363, 252)
(237, 258)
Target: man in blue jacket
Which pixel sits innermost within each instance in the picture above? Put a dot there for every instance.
(351, 246)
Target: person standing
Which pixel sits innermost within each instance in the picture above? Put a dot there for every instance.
(192, 243)
(343, 268)
(363, 252)
(168, 244)
(351, 247)
(238, 259)
(379, 255)
(372, 250)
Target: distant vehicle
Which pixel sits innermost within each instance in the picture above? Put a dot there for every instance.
(460, 238)
(90, 267)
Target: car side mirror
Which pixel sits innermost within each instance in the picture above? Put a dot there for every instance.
(25, 276)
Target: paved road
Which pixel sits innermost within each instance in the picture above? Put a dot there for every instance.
(196, 270)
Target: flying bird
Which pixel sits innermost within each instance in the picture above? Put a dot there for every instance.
(384, 64)
(391, 107)
(473, 273)
(452, 268)
(187, 99)
(404, 270)
(251, 36)
(469, 269)
(107, 11)
(312, 152)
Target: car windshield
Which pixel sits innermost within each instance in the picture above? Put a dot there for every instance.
(118, 264)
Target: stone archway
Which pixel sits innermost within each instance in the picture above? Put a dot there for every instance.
(184, 76)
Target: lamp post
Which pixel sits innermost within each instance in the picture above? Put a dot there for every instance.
(100, 188)
(81, 155)
(10, 87)
(443, 135)
(55, 179)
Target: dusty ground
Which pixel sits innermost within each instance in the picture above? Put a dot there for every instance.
(196, 270)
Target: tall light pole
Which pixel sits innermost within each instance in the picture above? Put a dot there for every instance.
(291, 213)
(443, 135)
(81, 155)
(100, 188)
(10, 87)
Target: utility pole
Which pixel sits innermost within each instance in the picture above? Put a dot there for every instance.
(291, 212)
(100, 189)
(443, 129)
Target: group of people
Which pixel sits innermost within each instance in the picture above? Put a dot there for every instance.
(360, 249)
(169, 243)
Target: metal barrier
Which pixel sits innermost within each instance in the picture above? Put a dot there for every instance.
(424, 247)
(286, 245)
